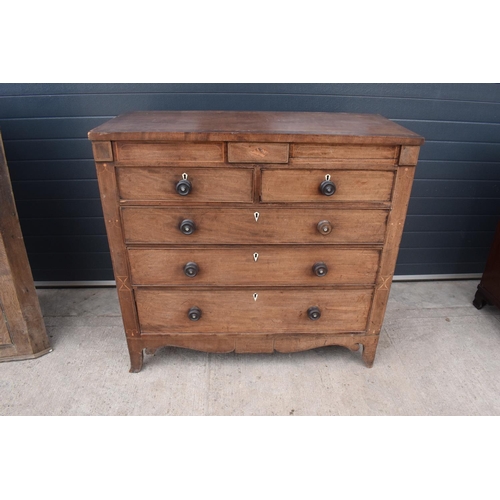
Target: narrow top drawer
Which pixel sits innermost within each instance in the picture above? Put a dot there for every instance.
(344, 152)
(166, 153)
(257, 152)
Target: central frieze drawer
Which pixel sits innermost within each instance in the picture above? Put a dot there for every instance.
(187, 225)
(318, 265)
(203, 184)
(253, 310)
(312, 185)
(257, 152)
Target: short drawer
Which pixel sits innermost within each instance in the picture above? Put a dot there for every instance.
(165, 153)
(344, 152)
(257, 152)
(253, 265)
(243, 226)
(310, 185)
(253, 310)
(203, 184)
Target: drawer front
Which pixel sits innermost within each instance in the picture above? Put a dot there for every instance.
(164, 153)
(257, 152)
(344, 152)
(237, 311)
(239, 226)
(307, 185)
(205, 184)
(253, 265)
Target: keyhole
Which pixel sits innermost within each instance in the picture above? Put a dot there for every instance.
(255, 295)
(255, 256)
(256, 215)
(184, 177)
(327, 177)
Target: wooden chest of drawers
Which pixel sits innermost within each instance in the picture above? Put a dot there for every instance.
(253, 231)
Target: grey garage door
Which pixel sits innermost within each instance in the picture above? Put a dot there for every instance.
(455, 202)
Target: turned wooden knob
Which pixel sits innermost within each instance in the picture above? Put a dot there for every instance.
(320, 269)
(191, 269)
(194, 314)
(187, 226)
(183, 187)
(327, 188)
(324, 227)
(314, 313)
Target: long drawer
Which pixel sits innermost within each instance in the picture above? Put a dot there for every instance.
(245, 225)
(253, 265)
(253, 310)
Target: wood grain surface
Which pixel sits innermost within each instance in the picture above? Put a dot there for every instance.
(273, 265)
(4, 330)
(207, 185)
(238, 226)
(255, 126)
(132, 153)
(341, 152)
(236, 311)
(257, 152)
(303, 185)
(25, 336)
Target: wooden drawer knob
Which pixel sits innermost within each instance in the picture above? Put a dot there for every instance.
(320, 269)
(194, 314)
(191, 269)
(324, 227)
(187, 226)
(314, 313)
(183, 187)
(327, 188)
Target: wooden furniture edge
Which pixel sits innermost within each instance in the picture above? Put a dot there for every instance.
(27, 333)
(395, 224)
(22, 357)
(106, 176)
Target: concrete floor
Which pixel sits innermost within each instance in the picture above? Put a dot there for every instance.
(437, 355)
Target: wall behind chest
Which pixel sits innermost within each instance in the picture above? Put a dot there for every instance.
(455, 201)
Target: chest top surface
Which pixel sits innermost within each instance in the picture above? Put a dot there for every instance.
(275, 126)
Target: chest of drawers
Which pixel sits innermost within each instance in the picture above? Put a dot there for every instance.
(253, 231)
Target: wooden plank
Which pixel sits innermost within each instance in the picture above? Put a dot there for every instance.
(163, 153)
(4, 329)
(236, 311)
(270, 126)
(304, 186)
(106, 176)
(273, 265)
(18, 299)
(257, 152)
(395, 226)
